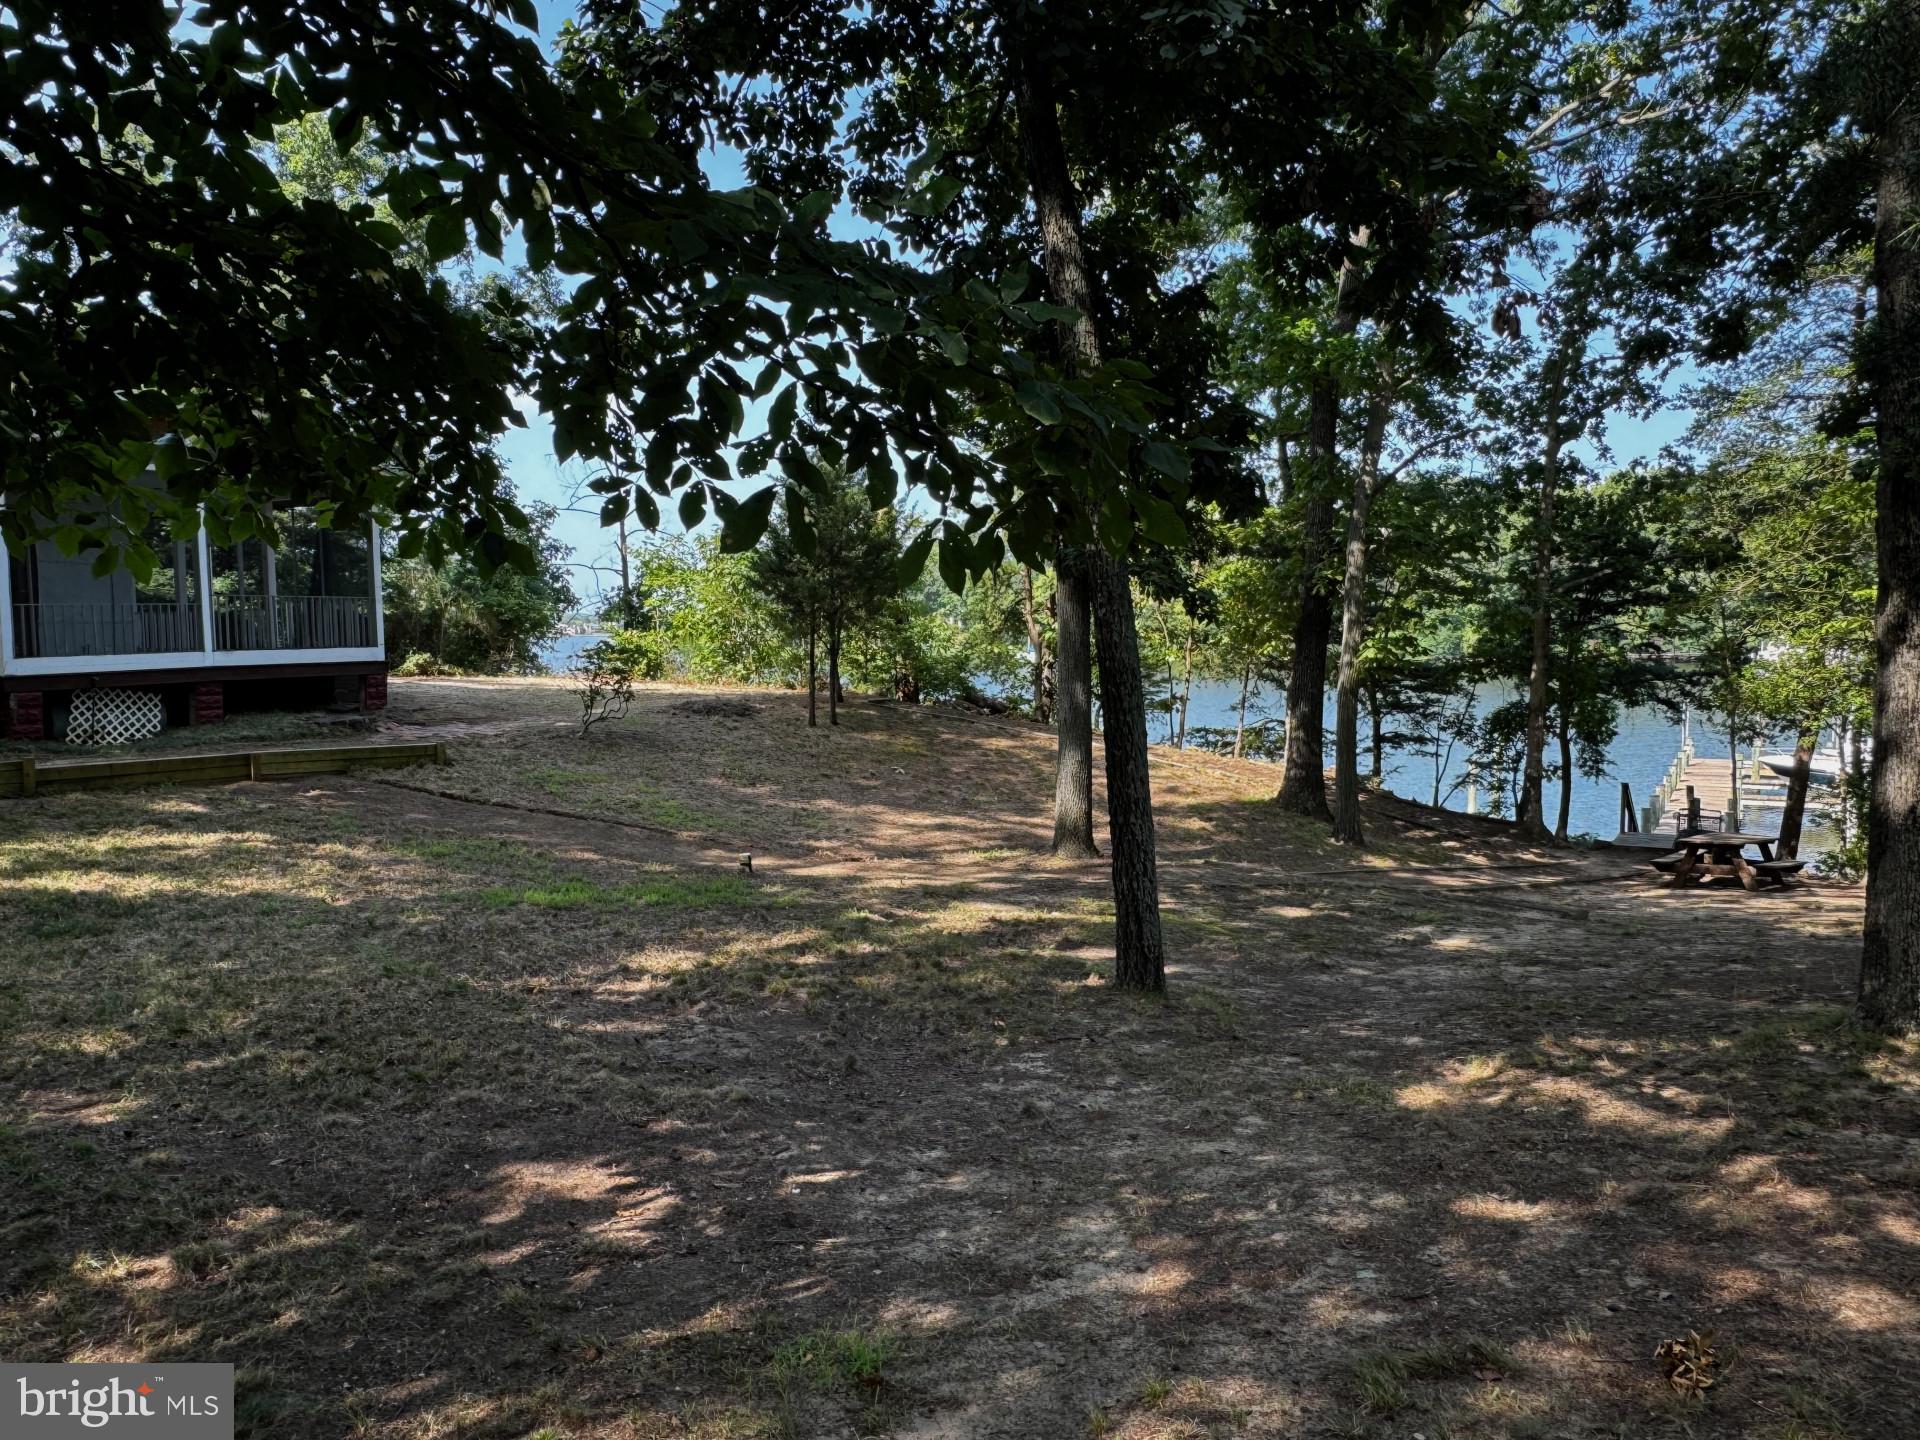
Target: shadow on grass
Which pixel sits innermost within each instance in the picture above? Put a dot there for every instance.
(860, 1153)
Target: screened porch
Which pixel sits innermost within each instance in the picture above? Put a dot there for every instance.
(314, 597)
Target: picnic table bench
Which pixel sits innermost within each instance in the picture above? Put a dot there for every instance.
(1718, 854)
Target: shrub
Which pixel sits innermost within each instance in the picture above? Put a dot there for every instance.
(420, 662)
(636, 654)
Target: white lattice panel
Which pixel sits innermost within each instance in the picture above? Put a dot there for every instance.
(113, 717)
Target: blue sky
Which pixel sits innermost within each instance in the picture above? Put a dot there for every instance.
(537, 476)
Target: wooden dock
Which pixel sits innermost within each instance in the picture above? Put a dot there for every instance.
(1709, 779)
(1700, 784)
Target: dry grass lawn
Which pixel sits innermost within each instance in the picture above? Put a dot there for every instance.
(499, 1101)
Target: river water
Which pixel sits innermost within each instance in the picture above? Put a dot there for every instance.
(1645, 746)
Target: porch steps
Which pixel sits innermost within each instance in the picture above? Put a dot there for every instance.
(28, 775)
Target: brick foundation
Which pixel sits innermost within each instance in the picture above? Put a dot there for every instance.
(373, 691)
(208, 705)
(25, 714)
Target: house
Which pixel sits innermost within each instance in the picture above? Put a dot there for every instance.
(296, 626)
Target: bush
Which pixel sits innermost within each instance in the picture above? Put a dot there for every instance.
(420, 662)
(634, 654)
(484, 624)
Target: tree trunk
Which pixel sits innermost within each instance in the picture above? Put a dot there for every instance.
(1073, 712)
(1303, 785)
(626, 581)
(1186, 690)
(833, 672)
(1240, 730)
(1353, 625)
(1890, 955)
(1734, 818)
(1140, 956)
(813, 678)
(1566, 773)
(1373, 720)
(1793, 815)
(1139, 953)
(1532, 808)
(1037, 644)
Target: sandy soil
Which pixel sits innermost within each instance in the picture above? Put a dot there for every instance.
(499, 1100)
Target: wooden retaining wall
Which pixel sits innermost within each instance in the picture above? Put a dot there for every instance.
(32, 776)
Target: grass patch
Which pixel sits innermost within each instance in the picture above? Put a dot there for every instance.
(667, 893)
(830, 1360)
(1381, 1377)
(469, 853)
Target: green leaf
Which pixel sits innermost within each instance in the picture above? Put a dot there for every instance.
(799, 468)
(613, 509)
(693, 506)
(660, 457)
(799, 526)
(883, 486)
(720, 407)
(812, 210)
(1037, 402)
(942, 191)
(446, 235)
(951, 345)
(1169, 460)
(170, 458)
(955, 550)
(1160, 521)
(780, 415)
(743, 522)
(914, 558)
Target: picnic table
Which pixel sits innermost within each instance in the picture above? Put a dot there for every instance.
(1717, 854)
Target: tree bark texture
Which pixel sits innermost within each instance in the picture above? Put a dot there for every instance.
(1793, 814)
(1347, 828)
(1566, 773)
(1139, 951)
(813, 678)
(1186, 691)
(1379, 739)
(833, 672)
(1140, 956)
(1037, 645)
(1889, 997)
(1303, 784)
(1073, 714)
(1532, 808)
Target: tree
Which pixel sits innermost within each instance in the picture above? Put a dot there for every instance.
(1248, 582)
(177, 306)
(828, 566)
(1091, 180)
(1791, 514)
(460, 616)
(1463, 158)
(1420, 395)
(715, 623)
(1763, 173)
